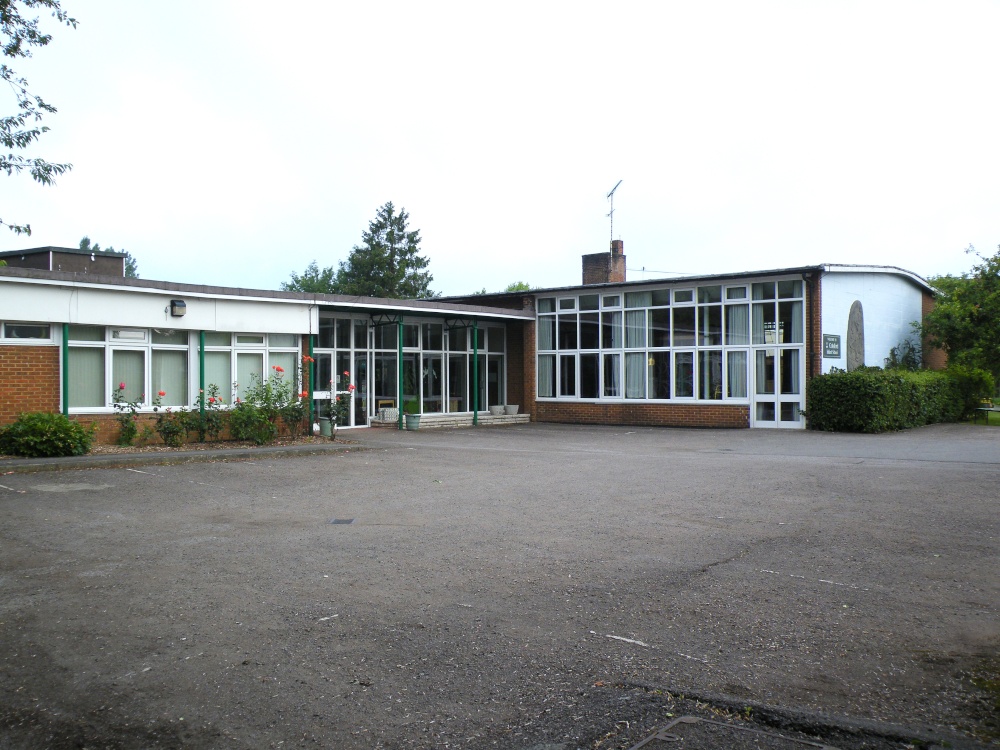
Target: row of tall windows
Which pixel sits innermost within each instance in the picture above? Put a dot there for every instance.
(437, 365)
(151, 360)
(663, 343)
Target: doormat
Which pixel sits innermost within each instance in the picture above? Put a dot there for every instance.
(705, 734)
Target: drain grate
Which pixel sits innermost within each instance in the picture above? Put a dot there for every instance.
(705, 734)
(342, 520)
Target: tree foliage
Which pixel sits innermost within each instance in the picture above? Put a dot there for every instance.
(18, 34)
(387, 264)
(965, 321)
(131, 265)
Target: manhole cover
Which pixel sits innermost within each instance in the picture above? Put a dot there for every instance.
(705, 734)
(342, 520)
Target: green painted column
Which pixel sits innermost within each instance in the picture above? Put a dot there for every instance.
(475, 372)
(201, 374)
(310, 383)
(399, 357)
(65, 369)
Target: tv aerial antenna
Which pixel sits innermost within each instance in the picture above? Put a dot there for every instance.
(611, 213)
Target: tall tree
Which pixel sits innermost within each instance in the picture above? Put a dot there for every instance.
(388, 263)
(131, 265)
(313, 280)
(18, 34)
(965, 320)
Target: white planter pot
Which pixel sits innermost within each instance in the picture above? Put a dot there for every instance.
(496, 411)
(510, 409)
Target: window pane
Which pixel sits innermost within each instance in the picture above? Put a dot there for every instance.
(736, 292)
(612, 376)
(496, 339)
(790, 371)
(86, 376)
(343, 326)
(611, 330)
(325, 338)
(790, 321)
(218, 372)
(129, 367)
(661, 297)
(217, 338)
(247, 366)
(169, 373)
(764, 325)
(638, 299)
(659, 327)
(710, 294)
(384, 380)
(635, 329)
(764, 290)
(790, 412)
(567, 375)
(684, 295)
(684, 374)
(589, 301)
(659, 374)
(736, 374)
(433, 383)
(495, 383)
(546, 375)
(612, 300)
(178, 338)
(458, 381)
(737, 325)
(282, 339)
(547, 332)
(250, 338)
(458, 340)
(764, 372)
(590, 330)
(710, 374)
(590, 375)
(24, 331)
(411, 335)
(787, 289)
(567, 331)
(287, 361)
(385, 337)
(684, 326)
(546, 304)
(635, 375)
(86, 333)
(567, 304)
(710, 325)
(361, 334)
(433, 337)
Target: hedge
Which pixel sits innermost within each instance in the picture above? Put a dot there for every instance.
(870, 399)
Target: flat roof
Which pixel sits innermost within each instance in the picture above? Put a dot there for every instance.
(370, 305)
(68, 250)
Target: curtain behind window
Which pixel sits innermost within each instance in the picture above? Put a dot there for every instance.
(129, 367)
(170, 374)
(86, 377)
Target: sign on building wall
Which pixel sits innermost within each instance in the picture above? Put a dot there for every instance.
(831, 346)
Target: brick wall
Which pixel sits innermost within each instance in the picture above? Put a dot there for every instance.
(660, 415)
(814, 325)
(30, 380)
(932, 357)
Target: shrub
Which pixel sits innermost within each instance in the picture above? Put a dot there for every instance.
(248, 421)
(43, 434)
(870, 399)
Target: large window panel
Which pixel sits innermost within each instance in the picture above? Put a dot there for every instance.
(546, 333)
(590, 331)
(684, 326)
(86, 377)
(737, 325)
(736, 374)
(611, 330)
(288, 362)
(710, 325)
(684, 374)
(635, 375)
(458, 382)
(129, 367)
(590, 375)
(790, 321)
(659, 327)
(169, 372)
(659, 374)
(635, 329)
(567, 331)
(546, 375)
(249, 367)
(612, 376)
(567, 374)
(219, 372)
(710, 374)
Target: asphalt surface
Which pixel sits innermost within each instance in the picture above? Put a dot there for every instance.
(541, 586)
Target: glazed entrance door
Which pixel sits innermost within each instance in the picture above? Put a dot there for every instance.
(777, 378)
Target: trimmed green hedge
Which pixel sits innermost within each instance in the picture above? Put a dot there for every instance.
(870, 399)
(43, 434)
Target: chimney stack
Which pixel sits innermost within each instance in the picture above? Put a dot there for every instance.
(605, 268)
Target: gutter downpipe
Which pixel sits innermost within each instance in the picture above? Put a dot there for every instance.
(399, 359)
(65, 369)
(475, 372)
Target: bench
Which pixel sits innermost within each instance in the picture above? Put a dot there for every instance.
(986, 413)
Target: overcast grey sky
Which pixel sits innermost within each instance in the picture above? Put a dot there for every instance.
(232, 143)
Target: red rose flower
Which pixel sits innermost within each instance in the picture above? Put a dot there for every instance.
(161, 393)
(277, 368)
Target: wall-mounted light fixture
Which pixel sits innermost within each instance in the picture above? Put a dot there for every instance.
(177, 308)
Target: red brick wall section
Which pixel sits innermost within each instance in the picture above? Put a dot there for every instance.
(933, 357)
(658, 415)
(30, 380)
(814, 325)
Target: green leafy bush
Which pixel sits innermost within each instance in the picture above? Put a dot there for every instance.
(43, 434)
(870, 399)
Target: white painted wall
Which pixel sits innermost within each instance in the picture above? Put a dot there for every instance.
(48, 303)
(890, 302)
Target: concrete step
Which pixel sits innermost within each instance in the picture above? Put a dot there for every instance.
(451, 421)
